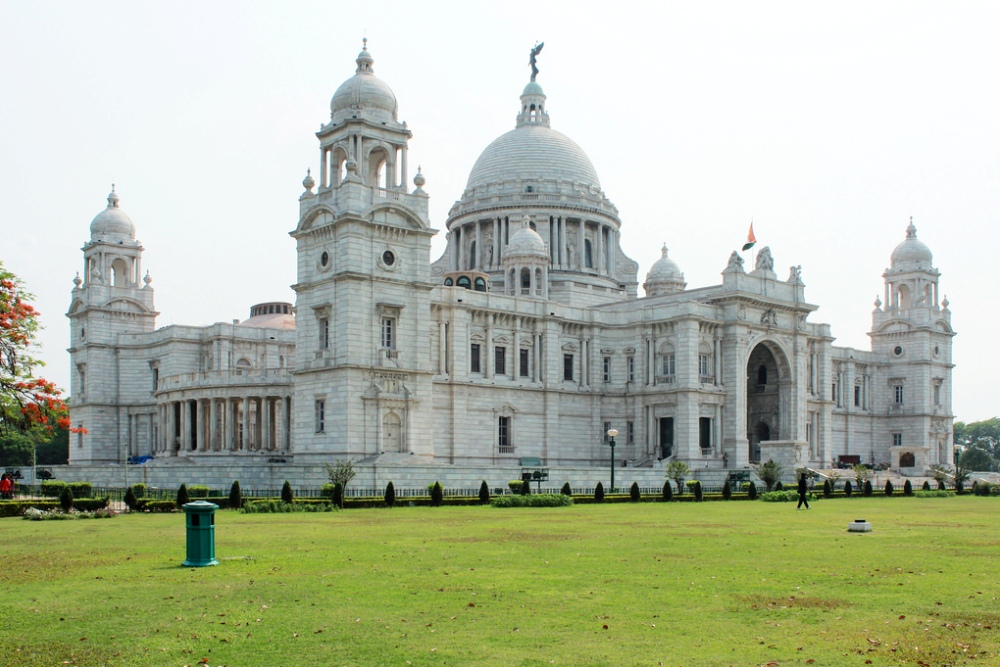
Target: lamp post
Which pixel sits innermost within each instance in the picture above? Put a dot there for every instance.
(612, 433)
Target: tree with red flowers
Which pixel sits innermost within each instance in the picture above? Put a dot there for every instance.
(26, 402)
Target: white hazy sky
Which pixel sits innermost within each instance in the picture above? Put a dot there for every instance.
(828, 123)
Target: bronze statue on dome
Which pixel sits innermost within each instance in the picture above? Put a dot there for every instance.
(533, 59)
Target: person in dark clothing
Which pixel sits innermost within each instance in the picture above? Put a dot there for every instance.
(803, 490)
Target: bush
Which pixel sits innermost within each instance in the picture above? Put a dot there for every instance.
(780, 496)
(827, 488)
(198, 491)
(935, 493)
(515, 486)
(599, 493)
(182, 495)
(130, 499)
(53, 488)
(868, 488)
(66, 499)
(926, 486)
(984, 489)
(537, 500)
(778, 486)
(941, 485)
(437, 494)
(139, 489)
(235, 496)
(959, 487)
(668, 491)
(907, 488)
(566, 490)
(390, 494)
(633, 492)
(526, 486)
(848, 489)
(275, 507)
(697, 491)
(727, 491)
(888, 488)
(752, 491)
(157, 505)
(287, 495)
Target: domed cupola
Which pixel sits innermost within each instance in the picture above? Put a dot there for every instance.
(664, 277)
(912, 254)
(526, 243)
(364, 95)
(526, 263)
(112, 224)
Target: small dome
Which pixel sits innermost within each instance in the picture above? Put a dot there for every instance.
(526, 242)
(112, 222)
(274, 315)
(364, 94)
(533, 89)
(664, 277)
(912, 254)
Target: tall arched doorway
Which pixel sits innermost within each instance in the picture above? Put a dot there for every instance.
(768, 397)
(391, 428)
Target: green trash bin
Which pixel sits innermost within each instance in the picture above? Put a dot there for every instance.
(200, 534)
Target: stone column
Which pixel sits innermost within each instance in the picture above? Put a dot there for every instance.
(244, 445)
(488, 361)
(599, 264)
(402, 177)
(581, 249)
(324, 167)
(478, 259)
(266, 442)
(461, 248)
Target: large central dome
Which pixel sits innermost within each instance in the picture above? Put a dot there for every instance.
(533, 152)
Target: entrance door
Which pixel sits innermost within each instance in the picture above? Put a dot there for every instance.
(666, 437)
(393, 433)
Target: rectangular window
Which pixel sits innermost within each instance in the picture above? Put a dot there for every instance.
(857, 396)
(897, 439)
(320, 416)
(630, 431)
(607, 369)
(937, 393)
(705, 432)
(607, 427)
(503, 435)
(324, 333)
(630, 362)
(669, 367)
(389, 333)
(705, 365)
(568, 367)
(524, 370)
(897, 394)
(83, 381)
(500, 357)
(156, 378)
(474, 365)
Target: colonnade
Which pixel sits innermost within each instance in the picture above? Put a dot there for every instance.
(233, 424)
(333, 156)
(574, 244)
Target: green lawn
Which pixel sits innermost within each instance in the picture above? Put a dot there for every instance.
(722, 583)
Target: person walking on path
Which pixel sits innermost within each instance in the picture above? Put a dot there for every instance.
(803, 490)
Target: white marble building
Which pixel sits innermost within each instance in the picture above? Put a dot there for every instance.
(526, 338)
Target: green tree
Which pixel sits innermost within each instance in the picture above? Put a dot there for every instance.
(390, 494)
(66, 499)
(599, 493)
(769, 473)
(983, 435)
(130, 500)
(861, 474)
(976, 458)
(287, 495)
(340, 475)
(633, 492)
(235, 496)
(182, 495)
(668, 491)
(678, 471)
(484, 493)
(437, 494)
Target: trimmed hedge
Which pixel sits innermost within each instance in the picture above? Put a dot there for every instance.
(983, 489)
(786, 496)
(17, 507)
(281, 507)
(534, 500)
(54, 488)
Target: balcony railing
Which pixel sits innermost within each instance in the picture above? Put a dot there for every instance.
(235, 376)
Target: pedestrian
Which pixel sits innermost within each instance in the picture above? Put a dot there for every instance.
(6, 487)
(803, 490)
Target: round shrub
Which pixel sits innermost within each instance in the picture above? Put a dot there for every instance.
(526, 486)
(139, 489)
(66, 499)
(668, 490)
(287, 496)
(778, 486)
(727, 491)
(697, 491)
(633, 492)
(888, 488)
(827, 488)
(437, 494)
(235, 496)
(130, 500)
(182, 496)
(907, 488)
(848, 489)
(484, 493)
(941, 485)
(752, 491)
(868, 488)
(390, 494)
(567, 490)
(926, 486)
(599, 493)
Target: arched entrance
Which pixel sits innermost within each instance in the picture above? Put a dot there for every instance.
(768, 397)
(393, 433)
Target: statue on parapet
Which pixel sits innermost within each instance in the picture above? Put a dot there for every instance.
(534, 58)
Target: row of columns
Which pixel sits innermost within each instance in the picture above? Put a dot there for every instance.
(249, 423)
(465, 256)
(332, 157)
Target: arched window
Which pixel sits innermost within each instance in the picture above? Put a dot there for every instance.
(119, 273)
(464, 281)
(588, 250)
(904, 297)
(525, 280)
(480, 284)
(448, 282)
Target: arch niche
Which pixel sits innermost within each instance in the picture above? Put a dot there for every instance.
(392, 429)
(769, 396)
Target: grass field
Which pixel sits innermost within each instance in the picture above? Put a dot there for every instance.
(722, 583)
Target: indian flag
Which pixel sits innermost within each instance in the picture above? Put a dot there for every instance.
(751, 239)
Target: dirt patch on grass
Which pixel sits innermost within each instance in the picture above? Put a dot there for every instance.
(768, 603)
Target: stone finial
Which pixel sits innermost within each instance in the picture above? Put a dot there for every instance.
(146, 280)
(944, 302)
(76, 280)
(419, 179)
(878, 303)
(309, 182)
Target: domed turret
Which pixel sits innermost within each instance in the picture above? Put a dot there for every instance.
(664, 277)
(912, 254)
(112, 223)
(526, 243)
(364, 94)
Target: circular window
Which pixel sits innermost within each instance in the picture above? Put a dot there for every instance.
(937, 350)
(388, 258)
(324, 259)
(897, 350)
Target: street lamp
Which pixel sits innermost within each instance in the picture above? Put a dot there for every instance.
(612, 433)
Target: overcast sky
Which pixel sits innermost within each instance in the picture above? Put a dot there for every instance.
(829, 124)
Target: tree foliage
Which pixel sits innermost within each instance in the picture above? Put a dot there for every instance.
(287, 495)
(975, 458)
(769, 473)
(678, 471)
(27, 402)
(984, 435)
(340, 474)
